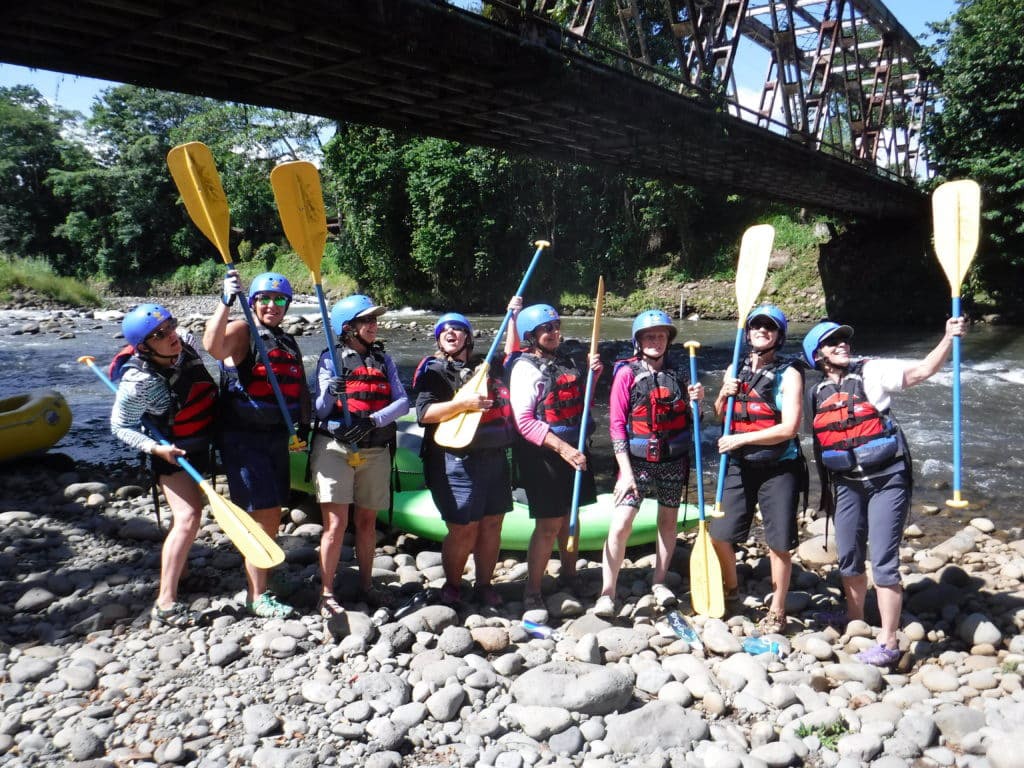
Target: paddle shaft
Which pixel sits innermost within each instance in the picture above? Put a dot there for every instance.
(696, 431)
(146, 422)
(329, 333)
(723, 461)
(588, 391)
(956, 405)
(541, 245)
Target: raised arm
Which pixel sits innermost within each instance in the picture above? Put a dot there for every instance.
(923, 370)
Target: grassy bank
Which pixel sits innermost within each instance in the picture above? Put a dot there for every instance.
(27, 280)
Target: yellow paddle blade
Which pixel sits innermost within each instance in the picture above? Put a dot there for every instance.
(300, 202)
(195, 175)
(956, 208)
(755, 252)
(245, 533)
(706, 592)
(458, 431)
(595, 331)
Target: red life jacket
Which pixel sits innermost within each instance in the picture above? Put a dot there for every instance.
(497, 427)
(367, 390)
(754, 409)
(248, 394)
(657, 407)
(849, 432)
(562, 405)
(190, 422)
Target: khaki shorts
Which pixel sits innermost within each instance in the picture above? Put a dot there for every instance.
(336, 482)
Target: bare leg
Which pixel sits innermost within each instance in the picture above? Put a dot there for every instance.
(727, 559)
(567, 558)
(856, 588)
(666, 545)
(890, 604)
(335, 518)
(542, 541)
(455, 549)
(782, 570)
(186, 503)
(366, 544)
(485, 553)
(615, 547)
(269, 520)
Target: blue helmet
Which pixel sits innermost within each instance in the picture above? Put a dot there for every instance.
(653, 318)
(817, 335)
(269, 282)
(351, 307)
(452, 318)
(534, 315)
(774, 314)
(142, 321)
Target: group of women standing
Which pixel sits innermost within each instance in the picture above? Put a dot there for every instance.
(533, 404)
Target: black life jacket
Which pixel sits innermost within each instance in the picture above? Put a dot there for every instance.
(497, 427)
(849, 432)
(561, 408)
(248, 396)
(754, 409)
(190, 422)
(367, 391)
(658, 407)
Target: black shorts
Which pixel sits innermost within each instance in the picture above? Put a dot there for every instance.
(467, 488)
(773, 487)
(200, 459)
(548, 480)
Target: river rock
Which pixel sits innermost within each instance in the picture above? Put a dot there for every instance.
(657, 725)
(585, 688)
(978, 629)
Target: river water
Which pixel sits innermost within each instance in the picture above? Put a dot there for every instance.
(992, 377)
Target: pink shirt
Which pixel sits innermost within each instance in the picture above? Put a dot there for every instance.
(618, 406)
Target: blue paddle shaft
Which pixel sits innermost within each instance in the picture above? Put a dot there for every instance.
(696, 438)
(956, 401)
(329, 333)
(508, 315)
(262, 350)
(574, 510)
(182, 462)
(723, 462)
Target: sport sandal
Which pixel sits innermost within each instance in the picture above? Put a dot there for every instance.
(266, 606)
(177, 616)
(879, 656)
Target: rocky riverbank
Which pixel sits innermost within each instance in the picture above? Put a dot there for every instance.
(86, 681)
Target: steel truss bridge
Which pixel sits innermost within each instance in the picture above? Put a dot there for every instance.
(647, 87)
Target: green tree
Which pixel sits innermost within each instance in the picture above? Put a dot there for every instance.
(980, 132)
(32, 143)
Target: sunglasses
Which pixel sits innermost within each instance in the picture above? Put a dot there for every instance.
(551, 327)
(835, 341)
(277, 301)
(763, 325)
(162, 333)
(449, 327)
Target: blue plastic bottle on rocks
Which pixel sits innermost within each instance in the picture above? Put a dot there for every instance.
(758, 645)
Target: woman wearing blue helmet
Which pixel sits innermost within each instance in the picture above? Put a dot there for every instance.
(254, 436)
(649, 424)
(766, 469)
(351, 457)
(471, 486)
(162, 379)
(863, 458)
(546, 388)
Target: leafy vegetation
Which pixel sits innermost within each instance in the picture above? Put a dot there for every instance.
(980, 134)
(828, 735)
(37, 276)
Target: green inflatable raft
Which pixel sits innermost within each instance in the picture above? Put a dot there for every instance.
(414, 510)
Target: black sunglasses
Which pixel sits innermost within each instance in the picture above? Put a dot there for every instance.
(162, 333)
(554, 325)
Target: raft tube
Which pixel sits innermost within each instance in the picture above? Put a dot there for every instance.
(32, 422)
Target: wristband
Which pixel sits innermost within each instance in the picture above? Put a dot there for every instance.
(228, 300)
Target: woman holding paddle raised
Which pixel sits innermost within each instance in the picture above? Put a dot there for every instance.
(546, 389)
(863, 455)
(649, 422)
(356, 409)
(766, 468)
(164, 380)
(470, 486)
(254, 434)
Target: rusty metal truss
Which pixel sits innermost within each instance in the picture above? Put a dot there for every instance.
(843, 76)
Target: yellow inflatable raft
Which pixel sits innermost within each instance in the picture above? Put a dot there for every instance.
(32, 422)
